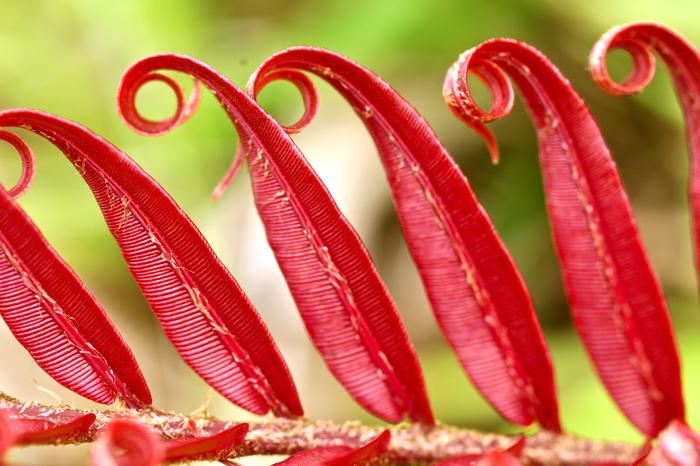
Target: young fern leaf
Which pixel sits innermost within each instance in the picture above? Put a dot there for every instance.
(347, 310)
(476, 292)
(21, 428)
(368, 453)
(207, 448)
(616, 300)
(199, 304)
(53, 315)
(494, 457)
(683, 61)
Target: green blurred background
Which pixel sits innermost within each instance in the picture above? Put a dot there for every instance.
(66, 57)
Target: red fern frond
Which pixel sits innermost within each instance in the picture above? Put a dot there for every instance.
(683, 61)
(476, 292)
(347, 310)
(199, 304)
(53, 315)
(617, 303)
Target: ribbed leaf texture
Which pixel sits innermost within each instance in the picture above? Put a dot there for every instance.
(199, 304)
(617, 303)
(127, 443)
(475, 290)
(368, 453)
(24, 428)
(347, 310)
(683, 61)
(53, 315)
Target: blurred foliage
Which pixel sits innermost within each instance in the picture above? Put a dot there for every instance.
(66, 56)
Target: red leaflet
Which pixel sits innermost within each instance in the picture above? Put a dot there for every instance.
(475, 290)
(216, 446)
(53, 315)
(346, 307)
(7, 433)
(507, 457)
(199, 304)
(683, 60)
(341, 455)
(127, 443)
(617, 303)
(677, 446)
(26, 428)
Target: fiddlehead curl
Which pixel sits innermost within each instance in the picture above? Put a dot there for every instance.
(459, 97)
(612, 289)
(28, 162)
(638, 45)
(183, 110)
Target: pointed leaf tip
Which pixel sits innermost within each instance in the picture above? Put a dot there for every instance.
(474, 288)
(618, 306)
(200, 306)
(345, 306)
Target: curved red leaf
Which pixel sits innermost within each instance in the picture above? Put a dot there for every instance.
(216, 446)
(199, 304)
(347, 310)
(53, 315)
(341, 455)
(476, 292)
(26, 428)
(683, 61)
(127, 443)
(617, 303)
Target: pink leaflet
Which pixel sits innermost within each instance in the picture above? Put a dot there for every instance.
(52, 314)
(476, 292)
(199, 304)
(341, 455)
(210, 447)
(617, 303)
(683, 61)
(22, 428)
(346, 308)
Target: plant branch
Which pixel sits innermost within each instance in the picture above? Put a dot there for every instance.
(410, 443)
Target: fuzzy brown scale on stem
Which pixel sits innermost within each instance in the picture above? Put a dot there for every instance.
(414, 443)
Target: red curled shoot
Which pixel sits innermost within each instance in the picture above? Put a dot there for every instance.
(347, 310)
(618, 306)
(51, 312)
(683, 62)
(200, 306)
(474, 287)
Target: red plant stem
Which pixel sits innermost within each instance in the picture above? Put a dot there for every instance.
(410, 443)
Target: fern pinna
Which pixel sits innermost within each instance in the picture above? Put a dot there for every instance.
(475, 290)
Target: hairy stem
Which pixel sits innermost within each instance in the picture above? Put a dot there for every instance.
(410, 443)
